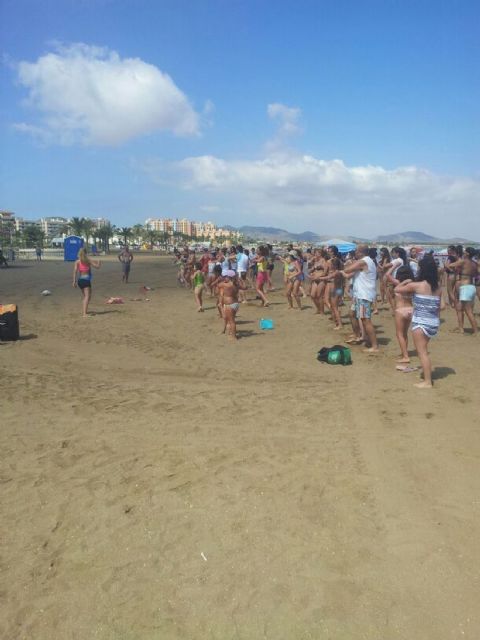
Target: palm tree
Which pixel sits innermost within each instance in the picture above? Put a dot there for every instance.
(125, 232)
(138, 232)
(77, 226)
(65, 229)
(152, 236)
(88, 229)
(105, 232)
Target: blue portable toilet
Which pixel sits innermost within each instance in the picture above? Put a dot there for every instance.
(71, 247)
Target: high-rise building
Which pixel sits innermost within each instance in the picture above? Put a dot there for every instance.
(53, 227)
(98, 223)
(7, 226)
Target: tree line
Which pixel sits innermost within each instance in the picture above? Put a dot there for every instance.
(32, 235)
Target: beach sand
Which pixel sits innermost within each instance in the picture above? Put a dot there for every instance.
(159, 482)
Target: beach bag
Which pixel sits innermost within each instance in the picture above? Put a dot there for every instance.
(9, 327)
(335, 355)
(266, 323)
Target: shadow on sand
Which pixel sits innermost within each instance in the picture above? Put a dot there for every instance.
(442, 372)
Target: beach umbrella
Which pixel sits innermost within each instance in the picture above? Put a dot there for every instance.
(342, 245)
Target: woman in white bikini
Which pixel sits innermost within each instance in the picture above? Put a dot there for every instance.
(403, 311)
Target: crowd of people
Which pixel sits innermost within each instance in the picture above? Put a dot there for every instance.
(410, 284)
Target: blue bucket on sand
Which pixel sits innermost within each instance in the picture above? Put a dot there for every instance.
(266, 324)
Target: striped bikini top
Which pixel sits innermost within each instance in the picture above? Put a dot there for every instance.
(426, 310)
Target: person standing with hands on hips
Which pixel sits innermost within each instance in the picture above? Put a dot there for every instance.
(126, 258)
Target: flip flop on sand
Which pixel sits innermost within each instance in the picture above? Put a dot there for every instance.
(406, 369)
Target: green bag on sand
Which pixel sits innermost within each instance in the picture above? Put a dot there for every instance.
(337, 354)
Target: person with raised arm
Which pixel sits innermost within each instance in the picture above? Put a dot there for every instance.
(365, 293)
(82, 277)
(427, 303)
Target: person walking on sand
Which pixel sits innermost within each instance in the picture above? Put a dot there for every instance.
(365, 292)
(198, 285)
(467, 270)
(82, 277)
(427, 303)
(126, 259)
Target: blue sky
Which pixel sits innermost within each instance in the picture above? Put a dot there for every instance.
(337, 117)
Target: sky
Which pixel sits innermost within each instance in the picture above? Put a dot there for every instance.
(334, 116)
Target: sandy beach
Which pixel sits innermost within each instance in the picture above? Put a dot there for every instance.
(161, 483)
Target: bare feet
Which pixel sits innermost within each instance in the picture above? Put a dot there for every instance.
(403, 360)
(423, 385)
(371, 351)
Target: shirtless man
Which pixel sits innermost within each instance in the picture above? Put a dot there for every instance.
(126, 258)
(228, 292)
(467, 270)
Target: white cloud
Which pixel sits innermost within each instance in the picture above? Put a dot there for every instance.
(287, 117)
(90, 95)
(301, 191)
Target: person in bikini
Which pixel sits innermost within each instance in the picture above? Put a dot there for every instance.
(451, 274)
(337, 280)
(465, 289)
(228, 290)
(262, 277)
(427, 303)
(198, 283)
(292, 273)
(217, 279)
(316, 271)
(382, 270)
(403, 311)
(82, 277)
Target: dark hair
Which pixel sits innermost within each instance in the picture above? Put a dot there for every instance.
(334, 250)
(427, 270)
(459, 250)
(263, 251)
(401, 253)
(198, 266)
(217, 269)
(385, 253)
(404, 273)
(471, 252)
(372, 253)
(452, 247)
(336, 263)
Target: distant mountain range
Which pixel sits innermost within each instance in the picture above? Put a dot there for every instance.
(273, 234)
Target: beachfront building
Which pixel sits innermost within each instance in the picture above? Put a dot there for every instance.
(98, 223)
(21, 224)
(162, 225)
(7, 227)
(206, 230)
(53, 226)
